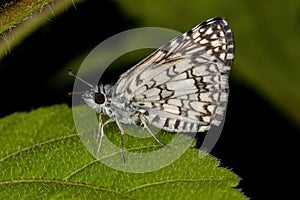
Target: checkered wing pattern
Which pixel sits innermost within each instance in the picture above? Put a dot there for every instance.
(183, 86)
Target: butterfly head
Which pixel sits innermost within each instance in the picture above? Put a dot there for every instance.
(95, 98)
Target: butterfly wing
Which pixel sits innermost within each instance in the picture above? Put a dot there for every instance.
(183, 86)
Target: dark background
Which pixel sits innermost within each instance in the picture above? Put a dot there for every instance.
(258, 142)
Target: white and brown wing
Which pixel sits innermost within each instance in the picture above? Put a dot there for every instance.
(183, 86)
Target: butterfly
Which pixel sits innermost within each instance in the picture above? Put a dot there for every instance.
(181, 87)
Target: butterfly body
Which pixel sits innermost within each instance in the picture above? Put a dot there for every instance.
(181, 87)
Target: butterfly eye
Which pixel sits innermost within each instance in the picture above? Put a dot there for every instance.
(99, 98)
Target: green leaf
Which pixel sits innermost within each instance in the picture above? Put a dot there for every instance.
(42, 157)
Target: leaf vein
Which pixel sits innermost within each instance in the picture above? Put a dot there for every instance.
(64, 183)
(96, 160)
(37, 145)
(172, 181)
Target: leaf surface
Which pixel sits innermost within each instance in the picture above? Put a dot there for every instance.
(42, 157)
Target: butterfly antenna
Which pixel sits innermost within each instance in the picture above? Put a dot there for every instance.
(77, 93)
(70, 72)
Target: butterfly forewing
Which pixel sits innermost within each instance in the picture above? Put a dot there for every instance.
(183, 86)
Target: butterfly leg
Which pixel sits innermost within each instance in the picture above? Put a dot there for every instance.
(99, 128)
(100, 133)
(151, 133)
(122, 135)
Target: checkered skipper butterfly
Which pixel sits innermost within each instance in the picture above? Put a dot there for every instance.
(181, 87)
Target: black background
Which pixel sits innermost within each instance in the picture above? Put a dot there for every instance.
(258, 143)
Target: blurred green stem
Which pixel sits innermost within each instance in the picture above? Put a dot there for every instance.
(20, 18)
